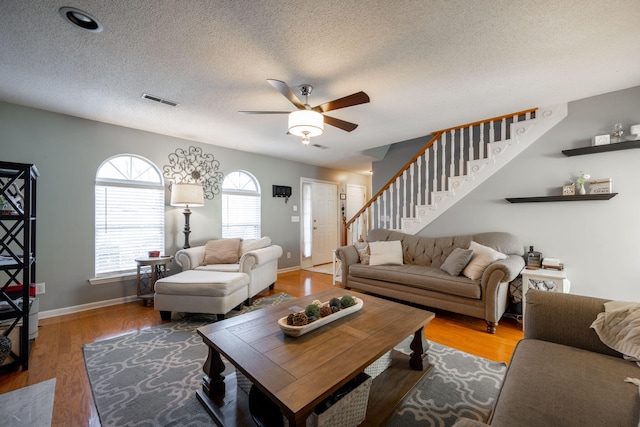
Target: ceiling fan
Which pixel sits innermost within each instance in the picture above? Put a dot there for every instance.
(307, 121)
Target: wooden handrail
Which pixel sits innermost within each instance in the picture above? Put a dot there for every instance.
(436, 136)
(494, 119)
(428, 145)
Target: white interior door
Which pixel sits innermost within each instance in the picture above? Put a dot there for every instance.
(356, 198)
(324, 218)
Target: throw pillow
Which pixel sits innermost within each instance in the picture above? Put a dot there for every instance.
(456, 261)
(389, 253)
(249, 245)
(482, 257)
(363, 252)
(223, 251)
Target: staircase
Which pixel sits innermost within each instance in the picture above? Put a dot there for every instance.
(453, 163)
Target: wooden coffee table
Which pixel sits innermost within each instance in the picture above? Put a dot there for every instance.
(297, 373)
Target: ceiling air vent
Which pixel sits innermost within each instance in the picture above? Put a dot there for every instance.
(319, 146)
(160, 100)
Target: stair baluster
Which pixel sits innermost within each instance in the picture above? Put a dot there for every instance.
(439, 171)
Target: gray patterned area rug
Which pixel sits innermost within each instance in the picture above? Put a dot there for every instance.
(149, 378)
(460, 385)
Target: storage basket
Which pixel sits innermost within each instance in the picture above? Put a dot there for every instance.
(340, 409)
(244, 383)
(379, 366)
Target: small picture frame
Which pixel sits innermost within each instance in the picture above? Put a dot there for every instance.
(343, 196)
(569, 190)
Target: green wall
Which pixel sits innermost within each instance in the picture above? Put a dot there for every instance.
(68, 151)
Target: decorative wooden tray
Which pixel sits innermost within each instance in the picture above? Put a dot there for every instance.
(296, 331)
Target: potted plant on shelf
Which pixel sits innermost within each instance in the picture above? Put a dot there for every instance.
(580, 181)
(5, 207)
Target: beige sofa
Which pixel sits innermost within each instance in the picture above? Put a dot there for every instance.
(561, 374)
(421, 280)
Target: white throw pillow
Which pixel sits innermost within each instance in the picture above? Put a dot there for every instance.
(249, 245)
(389, 253)
(483, 256)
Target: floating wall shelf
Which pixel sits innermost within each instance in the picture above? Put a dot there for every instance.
(602, 148)
(576, 198)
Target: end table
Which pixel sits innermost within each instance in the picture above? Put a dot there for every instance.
(544, 280)
(149, 271)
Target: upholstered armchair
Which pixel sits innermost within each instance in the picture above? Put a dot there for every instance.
(256, 257)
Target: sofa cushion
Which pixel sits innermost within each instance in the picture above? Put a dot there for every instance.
(419, 277)
(248, 245)
(228, 268)
(483, 256)
(432, 251)
(363, 252)
(385, 253)
(457, 261)
(223, 251)
(549, 384)
(202, 283)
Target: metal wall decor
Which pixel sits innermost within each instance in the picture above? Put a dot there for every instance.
(192, 166)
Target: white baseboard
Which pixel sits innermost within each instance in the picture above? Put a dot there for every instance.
(107, 303)
(85, 307)
(288, 269)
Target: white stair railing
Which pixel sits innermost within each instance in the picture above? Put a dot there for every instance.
(448, 160)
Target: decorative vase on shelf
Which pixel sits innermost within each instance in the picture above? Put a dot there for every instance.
(581, 189)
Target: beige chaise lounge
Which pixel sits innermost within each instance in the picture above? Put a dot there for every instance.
(218, 276)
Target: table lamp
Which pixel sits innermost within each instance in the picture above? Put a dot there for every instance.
(185, 194)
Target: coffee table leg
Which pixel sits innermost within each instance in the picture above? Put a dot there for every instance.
(213, 382)
(419, 347)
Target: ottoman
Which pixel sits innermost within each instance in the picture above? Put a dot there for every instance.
(195, 291)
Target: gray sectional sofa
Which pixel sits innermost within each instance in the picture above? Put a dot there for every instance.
(421, 280)
(561, 374)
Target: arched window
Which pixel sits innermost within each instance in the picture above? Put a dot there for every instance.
(241, 206)
(129, 213)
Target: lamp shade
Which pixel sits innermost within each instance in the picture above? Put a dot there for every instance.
(306, 123)
(184, 194)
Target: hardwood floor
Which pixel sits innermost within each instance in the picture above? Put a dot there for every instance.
(57, 352)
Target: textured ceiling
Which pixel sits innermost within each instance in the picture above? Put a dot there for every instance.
(425, 64)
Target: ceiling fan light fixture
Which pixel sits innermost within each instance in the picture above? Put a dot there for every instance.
(306, 123)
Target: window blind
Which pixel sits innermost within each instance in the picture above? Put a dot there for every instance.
(241, 216)
(129, 223)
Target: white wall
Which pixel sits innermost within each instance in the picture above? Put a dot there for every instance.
(599, 241)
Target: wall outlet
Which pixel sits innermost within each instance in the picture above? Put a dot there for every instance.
(288, 254)
(39, 288)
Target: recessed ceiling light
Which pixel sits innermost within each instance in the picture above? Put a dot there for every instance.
(80, 19)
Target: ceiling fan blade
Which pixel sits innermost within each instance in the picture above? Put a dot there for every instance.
(341, 124)
(264, 112)
(284, 89)
(347, 101)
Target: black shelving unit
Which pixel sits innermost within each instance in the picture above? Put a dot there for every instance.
(574, 198)
(602, 148)
(17, 250)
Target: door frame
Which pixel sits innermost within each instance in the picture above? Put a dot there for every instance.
(307, 262)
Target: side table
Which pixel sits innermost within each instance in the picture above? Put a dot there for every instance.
(147, 277)
(337, 268)
(544, 280)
